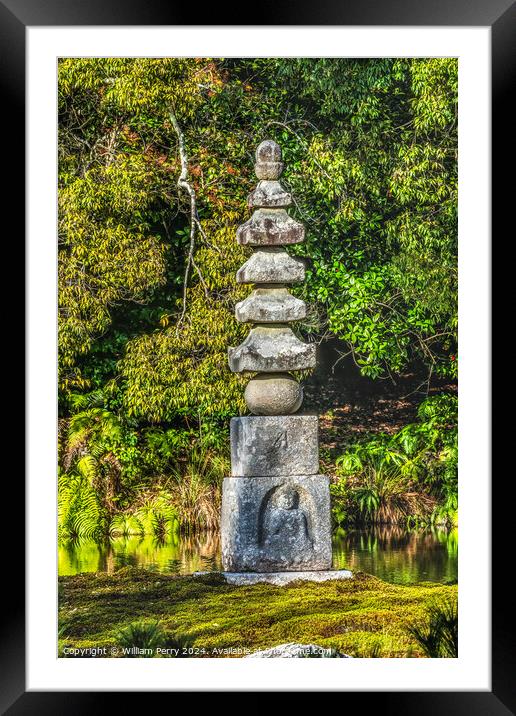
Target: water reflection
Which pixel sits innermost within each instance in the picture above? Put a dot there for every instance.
(390, 553)
(178, 554)
(398, 555)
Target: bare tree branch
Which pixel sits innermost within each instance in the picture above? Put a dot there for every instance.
(185, 185)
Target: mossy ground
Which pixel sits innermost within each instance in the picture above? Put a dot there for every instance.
(362, 617)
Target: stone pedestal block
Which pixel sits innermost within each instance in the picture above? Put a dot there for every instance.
(272, 524)
(268, 445)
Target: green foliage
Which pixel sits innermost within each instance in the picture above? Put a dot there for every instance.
(370, 147)
(117, 482)
(375, 172)
(410, 476)
(339, 501)
(153, 514)
(120, 242)
(79, 511)
(93, 450)
(438, 636)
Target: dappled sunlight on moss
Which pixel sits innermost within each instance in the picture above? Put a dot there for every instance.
(363, 616)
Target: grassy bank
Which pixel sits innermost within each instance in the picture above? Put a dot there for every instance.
(362, 617)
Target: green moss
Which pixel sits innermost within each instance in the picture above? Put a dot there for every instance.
(361, 617)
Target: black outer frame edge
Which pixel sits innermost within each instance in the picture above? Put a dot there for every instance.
(503, 69)
(399, 12)
(282, 12)
(425, 703)
(12, 134)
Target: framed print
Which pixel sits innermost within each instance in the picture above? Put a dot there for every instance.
(273, 253)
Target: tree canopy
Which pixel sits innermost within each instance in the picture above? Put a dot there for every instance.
(370, 148)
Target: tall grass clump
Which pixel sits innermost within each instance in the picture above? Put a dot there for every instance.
(196, 489)
(438, 636)
(141, 635)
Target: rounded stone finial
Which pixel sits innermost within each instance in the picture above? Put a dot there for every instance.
(268, 160)
(273, 394)
(268, 151)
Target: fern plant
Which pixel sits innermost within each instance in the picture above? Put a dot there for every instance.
(153, 514)
(79, 513)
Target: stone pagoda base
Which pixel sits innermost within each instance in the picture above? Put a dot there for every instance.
(275, 507)
(276, 524)
(281, 578)
(243, 579)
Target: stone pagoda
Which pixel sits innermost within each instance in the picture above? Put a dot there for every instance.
(275, 505)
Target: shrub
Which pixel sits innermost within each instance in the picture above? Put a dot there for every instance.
(409, 476)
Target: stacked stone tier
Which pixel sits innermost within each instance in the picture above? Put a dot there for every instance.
(271, 349)
(270, 305)
(272, 265)
(271, 346)
(270, 227)
(269, 194)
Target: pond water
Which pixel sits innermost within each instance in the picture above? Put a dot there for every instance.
(399, 556)
(390, 553)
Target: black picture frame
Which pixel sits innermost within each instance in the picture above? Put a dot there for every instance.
(500, 16)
